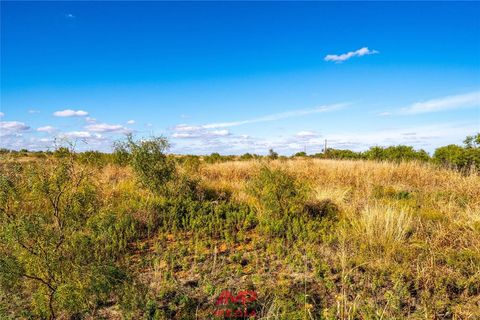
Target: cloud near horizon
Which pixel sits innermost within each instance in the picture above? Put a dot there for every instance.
(338, 58)
(427, 137)
(267, 118)
(8, 128)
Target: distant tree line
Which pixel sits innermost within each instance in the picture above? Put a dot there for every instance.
(460, 157)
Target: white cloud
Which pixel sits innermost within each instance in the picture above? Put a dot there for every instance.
(385, 114)
(471, 99)
(212, 131)
(77, 134)
(70, 113)
(104, 127)
(80, 134)
(277, 116)
(2, 114)
(69, 16)
(186, 128)
(31, 111)
(338, 58)
(219, 133)
(306, 134)
(90, 120)
(12, 127)
(48, 129)
(186, 135)
(131, 122)
(427, 137)
(198, 132)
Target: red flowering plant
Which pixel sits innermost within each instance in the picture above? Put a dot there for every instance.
(239, 306)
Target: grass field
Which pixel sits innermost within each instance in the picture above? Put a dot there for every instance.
(314, 239)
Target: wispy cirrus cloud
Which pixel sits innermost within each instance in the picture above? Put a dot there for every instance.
(278, 116)
(201, 133)
(217, 130)
(466, 100)
(70, 113)
(338, 58)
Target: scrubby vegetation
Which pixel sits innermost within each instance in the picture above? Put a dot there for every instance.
(140, 234)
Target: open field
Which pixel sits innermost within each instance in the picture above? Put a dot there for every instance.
(314, 239)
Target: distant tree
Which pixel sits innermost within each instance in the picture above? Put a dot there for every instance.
(343, 154)
(472, 141)
(375, 153)
(462, 158)
(246, 156)
(451, 155)
(213, 158)
(300, 154)
(396, 154)
(272, 154)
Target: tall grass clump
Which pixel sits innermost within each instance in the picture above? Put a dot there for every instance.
(381, 225)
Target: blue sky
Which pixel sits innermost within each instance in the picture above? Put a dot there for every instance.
(240, 77)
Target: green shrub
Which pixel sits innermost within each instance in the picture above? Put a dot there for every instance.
(279, 200)
(396, 153)
(149, 161)
(47, 247)
(461, 158)
(93, 158)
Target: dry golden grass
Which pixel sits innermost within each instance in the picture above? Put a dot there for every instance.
(407, 243)
(411, 219)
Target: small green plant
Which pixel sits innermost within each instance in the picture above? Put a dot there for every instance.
(279, 199)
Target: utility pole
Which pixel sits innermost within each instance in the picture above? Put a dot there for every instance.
(325, 147)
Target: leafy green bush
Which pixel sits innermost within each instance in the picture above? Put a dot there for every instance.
(279, 199)
(286, 212)
(215, 157)
(46, 245)
(300, 154)
(396, 154)
(461, 158)
(149, 161)
(93, 158)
